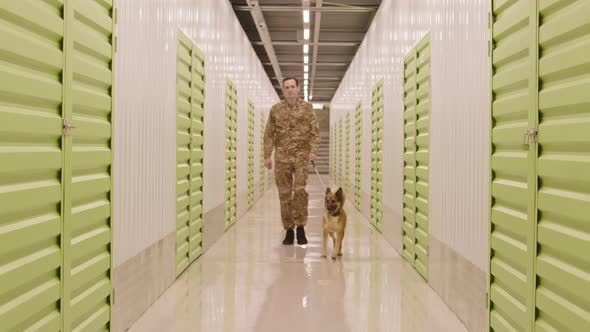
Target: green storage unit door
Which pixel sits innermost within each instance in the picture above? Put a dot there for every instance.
(409, 189)
(347, 154)
(332, 152)
(340, 161)
(197, 154)
(563, 203)
(231, 103)
(358, 155)
(377, 155)
(422, 154)
(512, 232)
(87, 222)
(415, 227)
(261, 177)
(31, 154)
(183, 151)
(250, 154)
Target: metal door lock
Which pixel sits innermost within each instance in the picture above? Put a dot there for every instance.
(67, 127)
(532, 135)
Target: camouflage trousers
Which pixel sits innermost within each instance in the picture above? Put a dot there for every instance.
(291, 179)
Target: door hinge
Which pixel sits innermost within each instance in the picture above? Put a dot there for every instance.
(67, 128)
(532, 135)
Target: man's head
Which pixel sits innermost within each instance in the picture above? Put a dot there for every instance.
(290, 88)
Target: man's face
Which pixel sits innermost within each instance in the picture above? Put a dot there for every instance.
(290, 89)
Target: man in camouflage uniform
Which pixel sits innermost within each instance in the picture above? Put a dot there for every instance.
(292, 130)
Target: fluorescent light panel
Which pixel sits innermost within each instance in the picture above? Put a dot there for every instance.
(306, 34)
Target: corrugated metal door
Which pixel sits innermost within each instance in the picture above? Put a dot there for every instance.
(512, 232)
(358, 155)
(422, 154)
(231, 103)
(197, 128)
(183, 162)
(377, 155)
(250, 154)
(347, 154)
(333, 145)
(31, 117)
(563, 229)
(88, 165)
(340, 163)
(409, 223)
(262, 174)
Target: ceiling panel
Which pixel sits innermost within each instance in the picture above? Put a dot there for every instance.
(344, 23)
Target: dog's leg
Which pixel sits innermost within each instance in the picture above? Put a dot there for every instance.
(333, 236)
(340, 239)
(337, 245)
(324, 243)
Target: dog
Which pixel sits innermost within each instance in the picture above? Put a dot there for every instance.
(334, 222)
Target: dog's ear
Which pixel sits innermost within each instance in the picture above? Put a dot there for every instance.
(328, 191)
(339, 194)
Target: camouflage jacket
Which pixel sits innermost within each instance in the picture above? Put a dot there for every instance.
(293, 132)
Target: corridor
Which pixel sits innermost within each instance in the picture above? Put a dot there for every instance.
(249, 281)
(135, 136)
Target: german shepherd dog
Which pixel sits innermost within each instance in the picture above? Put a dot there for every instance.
(334, 222)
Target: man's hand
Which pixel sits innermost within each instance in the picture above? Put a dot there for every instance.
(312, 157)
(268, 163)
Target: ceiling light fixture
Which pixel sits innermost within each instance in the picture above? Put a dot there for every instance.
(305, 48)
(306, 16)
(306, 59)
(306, 68)
(306, 34)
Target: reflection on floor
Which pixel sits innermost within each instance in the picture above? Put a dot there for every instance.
(249, 281)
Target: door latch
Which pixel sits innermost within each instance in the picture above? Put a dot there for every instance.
(532, 135)
(67, 128)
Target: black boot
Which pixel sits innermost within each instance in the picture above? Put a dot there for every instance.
(289, 237)
(301, 239)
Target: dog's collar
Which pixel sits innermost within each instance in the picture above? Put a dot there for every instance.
(334, 214)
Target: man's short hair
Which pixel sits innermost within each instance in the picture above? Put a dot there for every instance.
(291, 78)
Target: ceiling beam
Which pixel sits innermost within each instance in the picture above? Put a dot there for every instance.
(332, 9)
(297, 43)
(316, 45)
(265, 36)
(323, 64)
(320, 78)
(297, 35)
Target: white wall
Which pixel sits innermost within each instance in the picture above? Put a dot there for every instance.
(144, 192)
(460, 112)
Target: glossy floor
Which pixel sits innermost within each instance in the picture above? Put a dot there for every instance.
(249, 281)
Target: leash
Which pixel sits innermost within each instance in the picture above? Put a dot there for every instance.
(318, 173)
